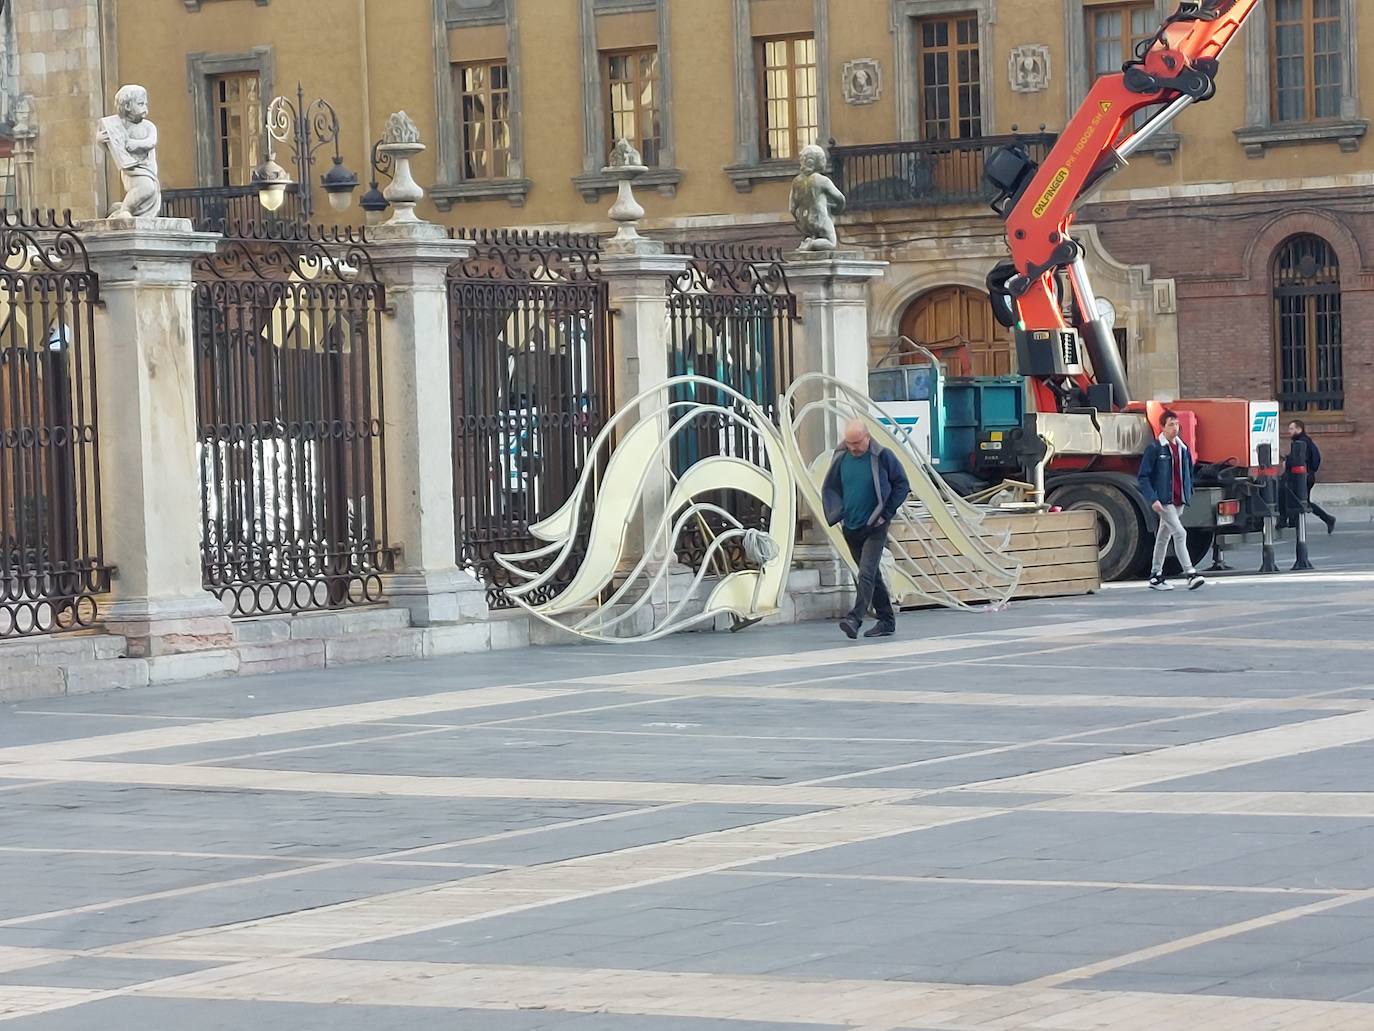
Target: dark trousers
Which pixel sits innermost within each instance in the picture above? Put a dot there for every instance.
(867, 544)
(1288, 505)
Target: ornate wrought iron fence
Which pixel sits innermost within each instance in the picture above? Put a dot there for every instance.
(289, 403)
(531, 367)
(925, 172)
(52, 566)
(731, 317)
(229, 209)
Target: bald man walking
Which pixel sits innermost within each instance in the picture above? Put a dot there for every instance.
(864, 488)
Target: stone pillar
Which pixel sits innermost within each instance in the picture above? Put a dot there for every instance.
(832, 298)
(411, 258)
(637, 274)
(832, 301)
(149, 463)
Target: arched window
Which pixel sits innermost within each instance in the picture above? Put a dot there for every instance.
(1307, 315)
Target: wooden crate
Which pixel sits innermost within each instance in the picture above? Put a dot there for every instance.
(1057, 551)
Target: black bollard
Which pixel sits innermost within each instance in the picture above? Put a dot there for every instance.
(1297, 483)
(1269, 497)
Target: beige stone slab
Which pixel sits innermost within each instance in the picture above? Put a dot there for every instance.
(23, 1001)
(18, 958)
(381, 784)
(651, 994)
(275, 723)
(1132, 771)
(1355, 804)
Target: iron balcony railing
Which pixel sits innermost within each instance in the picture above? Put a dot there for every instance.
(228, 209)
(928, 172)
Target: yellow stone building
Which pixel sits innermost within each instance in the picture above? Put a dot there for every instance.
(1232, 251)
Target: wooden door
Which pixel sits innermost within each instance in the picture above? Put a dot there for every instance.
(956, 323)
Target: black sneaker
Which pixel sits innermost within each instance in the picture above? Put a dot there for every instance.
(882, 630)
(850, 628)
(1158, 583)
(1331, 525)
(1196, 580)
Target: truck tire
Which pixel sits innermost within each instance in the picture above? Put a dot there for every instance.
(1120, 532)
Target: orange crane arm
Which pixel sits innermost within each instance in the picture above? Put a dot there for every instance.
(1175, 69)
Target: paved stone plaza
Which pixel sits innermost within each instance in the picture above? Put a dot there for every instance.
(1133, 812)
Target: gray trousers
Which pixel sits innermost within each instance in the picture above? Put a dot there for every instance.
(1171, 529)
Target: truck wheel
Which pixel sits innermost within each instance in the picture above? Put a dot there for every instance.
(1120, 533)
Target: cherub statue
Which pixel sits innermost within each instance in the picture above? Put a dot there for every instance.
(815, 202)
(131, 140)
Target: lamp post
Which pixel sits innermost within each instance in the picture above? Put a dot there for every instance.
(306, 128)
(372, 202)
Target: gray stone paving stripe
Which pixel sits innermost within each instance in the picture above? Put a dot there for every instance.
(511, 891)
(954, 696)
(690, 674)
(1205, 937)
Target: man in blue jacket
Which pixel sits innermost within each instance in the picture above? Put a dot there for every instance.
(864, 487)
(1166, 480)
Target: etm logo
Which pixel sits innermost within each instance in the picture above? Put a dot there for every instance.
(1265, 422)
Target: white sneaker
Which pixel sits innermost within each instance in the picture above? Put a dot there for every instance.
(1196, 580)
(1158, 583)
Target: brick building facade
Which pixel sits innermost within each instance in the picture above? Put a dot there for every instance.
(1224, 254)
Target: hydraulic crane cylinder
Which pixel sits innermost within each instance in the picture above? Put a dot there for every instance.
(1106, 359)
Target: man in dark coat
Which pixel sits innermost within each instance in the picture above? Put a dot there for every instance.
(1297, 431)
(864, 488)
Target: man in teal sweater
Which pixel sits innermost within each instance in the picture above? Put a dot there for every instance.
(865, 487)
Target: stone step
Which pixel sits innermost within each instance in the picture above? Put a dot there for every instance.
(106, 675)
(216, 662)
(317, 626)
(343, 622)
(60, 649)
(374, 647)
(282, 656)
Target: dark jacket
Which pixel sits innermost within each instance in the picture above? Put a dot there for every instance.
(889, 483)
(1314, 458)
(1157, 472)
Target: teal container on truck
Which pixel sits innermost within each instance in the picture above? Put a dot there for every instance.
(962, 423)
(979, 415)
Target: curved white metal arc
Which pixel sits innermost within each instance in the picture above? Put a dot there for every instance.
(628, 478)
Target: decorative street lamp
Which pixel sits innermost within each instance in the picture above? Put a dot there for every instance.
(372, 202)
(306, 128)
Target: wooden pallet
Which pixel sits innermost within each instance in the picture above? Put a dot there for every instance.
(1057, 551)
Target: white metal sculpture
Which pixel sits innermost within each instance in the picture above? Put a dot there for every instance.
(957, 562)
